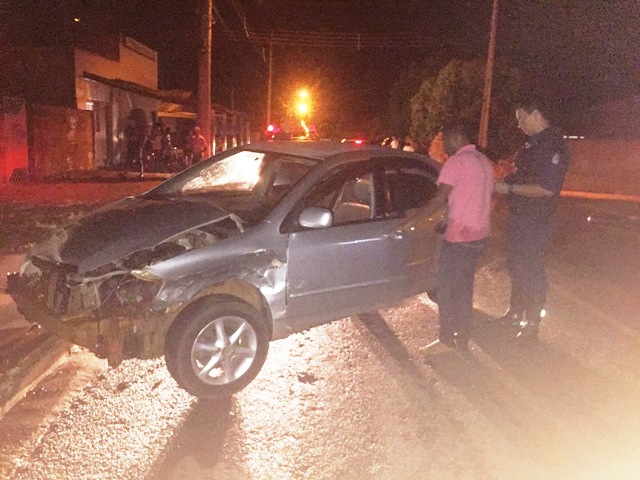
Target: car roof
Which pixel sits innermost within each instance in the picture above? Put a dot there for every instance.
(321, 150)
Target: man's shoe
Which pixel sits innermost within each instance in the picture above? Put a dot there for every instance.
(437, 347)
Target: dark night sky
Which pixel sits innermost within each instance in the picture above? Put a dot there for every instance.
(579, 51)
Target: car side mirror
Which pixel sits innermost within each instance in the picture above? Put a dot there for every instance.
(316, 217)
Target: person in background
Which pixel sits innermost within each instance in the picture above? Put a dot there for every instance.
(465, 187)
(199, 146)
(167, 141)
(168, 153)
(394, 143)
(532, 191)
(131, 139)
(155, 141)
(409, 145)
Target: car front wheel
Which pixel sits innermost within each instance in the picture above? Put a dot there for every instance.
(217, 348)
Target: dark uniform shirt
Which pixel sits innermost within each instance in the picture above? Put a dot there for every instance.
(543, 161)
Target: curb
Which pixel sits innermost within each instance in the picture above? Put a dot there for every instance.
(31, 355)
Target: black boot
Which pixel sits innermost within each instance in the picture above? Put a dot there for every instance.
(529, 327)
(511, 318)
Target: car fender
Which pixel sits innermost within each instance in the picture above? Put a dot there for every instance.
(255, 278)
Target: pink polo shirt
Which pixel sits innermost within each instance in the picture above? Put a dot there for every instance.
(470, 173)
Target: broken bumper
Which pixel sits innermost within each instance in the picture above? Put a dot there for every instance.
(116, 334)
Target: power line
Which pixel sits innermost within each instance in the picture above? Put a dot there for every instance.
(236, 39)
(237, 7)
(358, 41)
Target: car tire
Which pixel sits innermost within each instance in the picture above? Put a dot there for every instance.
(216, 348)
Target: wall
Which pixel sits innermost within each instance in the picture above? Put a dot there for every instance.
(13, 137)
(39, 75)
(615, 120)
(111, 109)
(62, 140)
(136, 63)
(604, 166)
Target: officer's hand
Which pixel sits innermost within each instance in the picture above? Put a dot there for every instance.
(501, 187)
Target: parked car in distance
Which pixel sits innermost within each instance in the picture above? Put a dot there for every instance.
(355, 140)
(249, 246)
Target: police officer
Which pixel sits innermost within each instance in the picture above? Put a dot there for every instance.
(531, 190)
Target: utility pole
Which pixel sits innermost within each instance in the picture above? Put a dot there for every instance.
(269, 83)
(204, 71)
(488, 80)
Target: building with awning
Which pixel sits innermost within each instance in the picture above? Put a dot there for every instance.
(83, 97)
(115, 102)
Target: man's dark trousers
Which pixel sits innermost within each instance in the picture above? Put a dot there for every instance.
(456, 270)
(527, 242)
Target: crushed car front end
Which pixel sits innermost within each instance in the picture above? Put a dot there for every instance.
(109, 301)
(111, 317)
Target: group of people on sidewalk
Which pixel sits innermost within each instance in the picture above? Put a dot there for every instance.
(153, 148)
(465, 186)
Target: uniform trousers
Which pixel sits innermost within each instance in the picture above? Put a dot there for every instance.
(456, 269)
(527, 242)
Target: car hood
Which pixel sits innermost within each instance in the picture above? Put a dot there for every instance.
(127, 226)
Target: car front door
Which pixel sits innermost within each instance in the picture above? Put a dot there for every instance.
(356, 264)
(380, 248)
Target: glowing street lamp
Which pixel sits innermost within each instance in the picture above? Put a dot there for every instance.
(303, 109)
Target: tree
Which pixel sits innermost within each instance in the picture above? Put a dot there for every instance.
(457, 91)
(398, 117)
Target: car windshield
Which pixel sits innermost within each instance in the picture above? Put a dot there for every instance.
(247, 183)
(238, 173)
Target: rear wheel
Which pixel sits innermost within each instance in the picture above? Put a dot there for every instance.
(217, 348)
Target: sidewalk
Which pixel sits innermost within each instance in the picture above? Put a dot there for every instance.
(109, 186)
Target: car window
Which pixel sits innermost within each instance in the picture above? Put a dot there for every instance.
(348, 192)
(354, 200)
(408, 187)
(286, 173)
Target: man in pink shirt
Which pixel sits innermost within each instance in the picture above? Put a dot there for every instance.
(465, 185)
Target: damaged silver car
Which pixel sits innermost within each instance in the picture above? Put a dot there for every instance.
(246, 247)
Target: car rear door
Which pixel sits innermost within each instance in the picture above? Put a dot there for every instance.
(409, 186)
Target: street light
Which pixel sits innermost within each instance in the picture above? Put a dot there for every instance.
(302, 109)
(302, 105)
